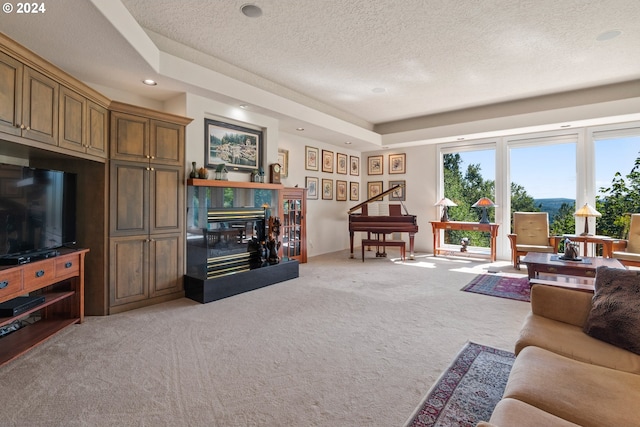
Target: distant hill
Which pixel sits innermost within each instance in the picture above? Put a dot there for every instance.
(553, 205)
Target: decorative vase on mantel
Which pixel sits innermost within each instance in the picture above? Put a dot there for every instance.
(194, 170)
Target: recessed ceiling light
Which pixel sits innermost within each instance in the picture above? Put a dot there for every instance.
(244, 106)
(251, 10)
(149, 82)
(299, 129)
(608, 35)
(348, 142)
(378, 90)
(460, 139)
(565, 126)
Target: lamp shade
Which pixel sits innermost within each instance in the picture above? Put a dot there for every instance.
(587, 210)
(483, 202)
(445, 202)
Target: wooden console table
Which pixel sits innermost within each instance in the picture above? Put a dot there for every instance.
(61, 281)
(490, 228)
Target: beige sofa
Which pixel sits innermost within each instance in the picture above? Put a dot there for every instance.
(564, 377)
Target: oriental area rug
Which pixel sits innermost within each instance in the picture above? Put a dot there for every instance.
(500, 286)
(468, 391)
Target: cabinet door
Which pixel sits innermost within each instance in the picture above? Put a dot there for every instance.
(10, 95)
(97, 128)
(167, 143)
(129, 137)
(293, 230)
(166, 193)
(166, 254)
(73, 110)
(128, 269)
(40, 107)
(129, 198)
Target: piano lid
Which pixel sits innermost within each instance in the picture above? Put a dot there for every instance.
(376, 198)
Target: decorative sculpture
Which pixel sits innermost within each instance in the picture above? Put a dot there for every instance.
(570, 250)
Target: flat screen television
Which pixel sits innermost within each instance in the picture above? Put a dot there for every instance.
(37, 212)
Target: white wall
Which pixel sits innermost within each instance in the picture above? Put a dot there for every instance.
(327, 220)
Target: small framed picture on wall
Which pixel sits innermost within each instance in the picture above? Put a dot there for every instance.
(375, 165)
(341, 190)
(374, 188)
(311, 158)
(311, 184)
(399, 193)
(341, 163)
(354, 165)
(327, 189)
(397, 163)
(354, 191)
(327, 161)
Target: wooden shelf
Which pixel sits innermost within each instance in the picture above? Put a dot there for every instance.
(49, 298)
(233, 184)
(22, 340)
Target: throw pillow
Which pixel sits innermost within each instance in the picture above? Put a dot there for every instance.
(615, 310)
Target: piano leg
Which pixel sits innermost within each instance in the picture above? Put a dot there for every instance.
(411, 236)
(351, 243)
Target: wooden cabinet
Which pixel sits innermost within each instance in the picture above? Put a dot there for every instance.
(146, 219)
(83, 124)
(293, 229)
(39, 107)
(60, 281)
(28, 102)
(10, 95)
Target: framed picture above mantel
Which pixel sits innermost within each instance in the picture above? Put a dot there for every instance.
(239, 148)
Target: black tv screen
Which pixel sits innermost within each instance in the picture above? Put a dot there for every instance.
(37, 210)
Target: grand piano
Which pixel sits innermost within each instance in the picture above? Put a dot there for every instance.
(395, 222)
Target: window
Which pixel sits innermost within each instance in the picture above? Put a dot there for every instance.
(543, 179)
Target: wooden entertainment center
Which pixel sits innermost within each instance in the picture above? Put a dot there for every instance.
(60, 280)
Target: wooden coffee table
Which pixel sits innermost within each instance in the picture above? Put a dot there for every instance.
(548, 269)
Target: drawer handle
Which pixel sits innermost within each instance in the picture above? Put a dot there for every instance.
(39, 273)
(552, 269)
(68, 264)
(4, 284)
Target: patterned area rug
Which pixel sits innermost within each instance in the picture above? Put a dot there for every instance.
(500, 286)
(468, 391)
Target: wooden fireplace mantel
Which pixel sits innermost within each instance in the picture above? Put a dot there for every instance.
(233, 184)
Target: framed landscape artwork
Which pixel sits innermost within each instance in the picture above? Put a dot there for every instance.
(398, 194)
(341, 191)
(374, 188)
(375, 165)
(341, 163)
(327, 161)
(327, 189)
(311, 158)
(311, 184)
(397, 163)
(237, 147)
(354, 191)
(283, 159)
(354, 168)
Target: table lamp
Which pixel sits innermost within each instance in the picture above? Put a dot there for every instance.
(484, 203)
(587, 211)
(445, 203)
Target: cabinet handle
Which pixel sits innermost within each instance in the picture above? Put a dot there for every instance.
(22, 126)
(28, 127)
(39, 273)
(152, 169)
(4, 284)
(68, 264)
(153, 157)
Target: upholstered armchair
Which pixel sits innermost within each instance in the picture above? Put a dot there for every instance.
(531, 234)
(628, 251)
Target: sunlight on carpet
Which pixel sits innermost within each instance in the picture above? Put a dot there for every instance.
(516, 288)
(468, 391)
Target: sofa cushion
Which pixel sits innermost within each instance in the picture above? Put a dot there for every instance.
(581, 393)
(512, 412)
(615, 311)
(570, 341)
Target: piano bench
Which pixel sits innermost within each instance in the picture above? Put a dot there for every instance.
(372, 242)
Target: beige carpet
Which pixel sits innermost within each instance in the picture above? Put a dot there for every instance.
(346, 344)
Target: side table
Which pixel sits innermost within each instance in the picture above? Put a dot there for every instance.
(598, 240)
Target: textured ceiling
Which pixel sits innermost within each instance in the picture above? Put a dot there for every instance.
(429, 56)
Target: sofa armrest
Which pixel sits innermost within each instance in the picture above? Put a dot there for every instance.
(564, 305)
